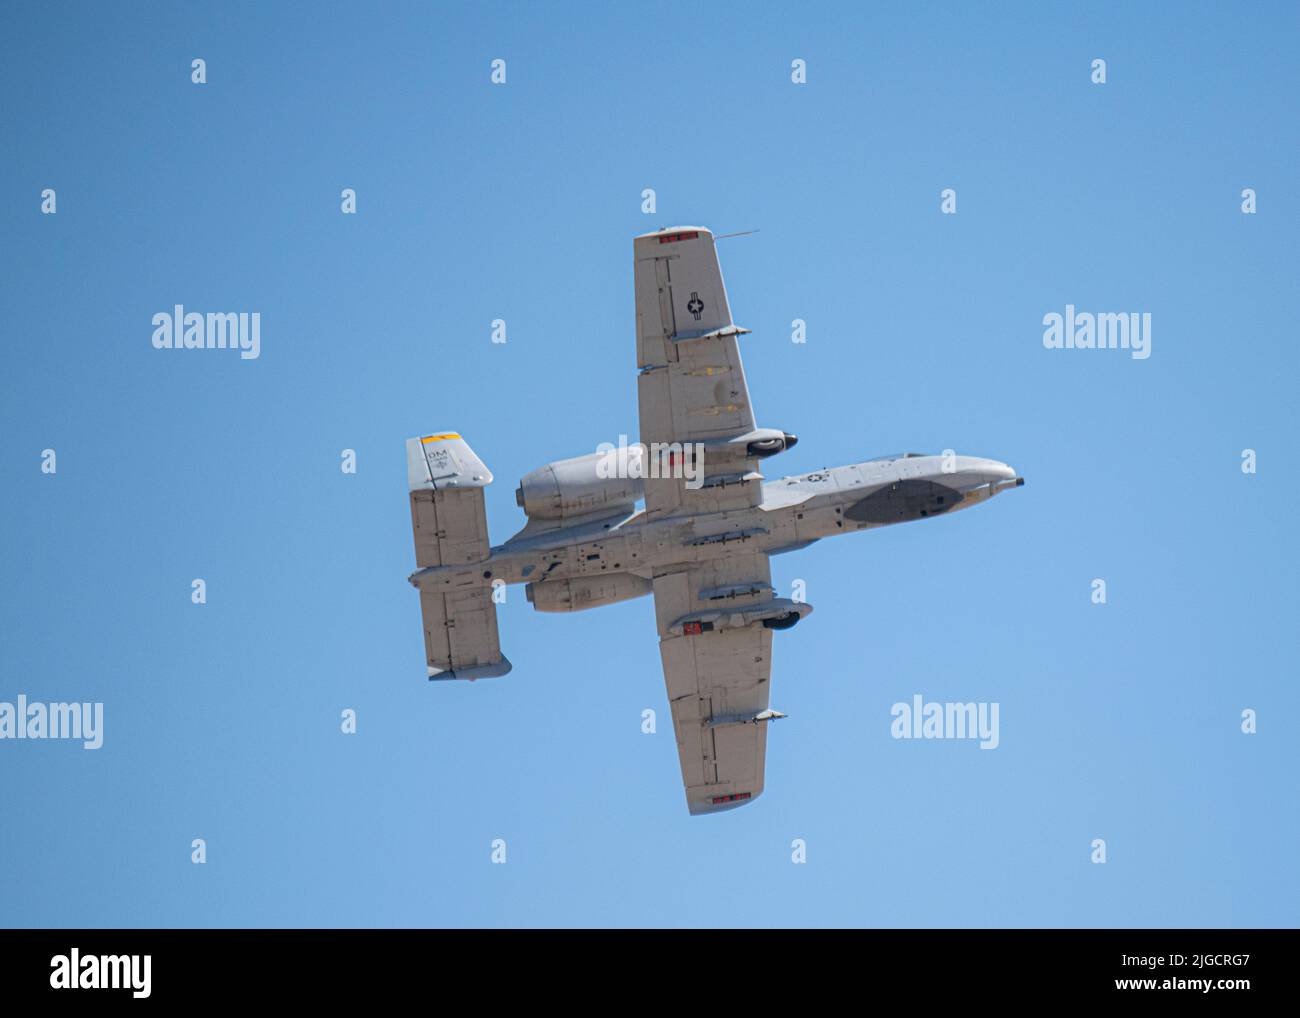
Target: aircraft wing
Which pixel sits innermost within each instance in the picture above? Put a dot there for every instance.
(692, 384)
(717, 677)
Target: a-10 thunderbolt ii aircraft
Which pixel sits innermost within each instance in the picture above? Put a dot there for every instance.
(701, 543)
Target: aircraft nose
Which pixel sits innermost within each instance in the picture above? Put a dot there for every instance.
(1001, 477)
(991, 475)
(985, 471)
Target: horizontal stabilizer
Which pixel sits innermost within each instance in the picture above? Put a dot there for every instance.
(450, 527)
(460, 635)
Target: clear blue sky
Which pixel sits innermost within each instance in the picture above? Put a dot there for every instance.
(520, 202)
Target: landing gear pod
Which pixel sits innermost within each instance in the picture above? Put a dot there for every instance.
(771, 444)
(776, 613)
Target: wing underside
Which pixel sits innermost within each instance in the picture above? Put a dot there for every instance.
(692, 386)
(716, 677)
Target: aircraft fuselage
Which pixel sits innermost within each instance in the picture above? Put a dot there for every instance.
(794, 512)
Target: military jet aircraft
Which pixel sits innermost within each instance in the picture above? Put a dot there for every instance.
(702, 541)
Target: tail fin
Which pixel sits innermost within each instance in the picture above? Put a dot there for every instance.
(450, 526)
(447, 482)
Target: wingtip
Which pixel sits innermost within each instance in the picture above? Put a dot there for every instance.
(721, 803)
(674, 230)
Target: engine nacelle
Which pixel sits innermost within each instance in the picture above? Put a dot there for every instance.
(582, 486)
(585, 592)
